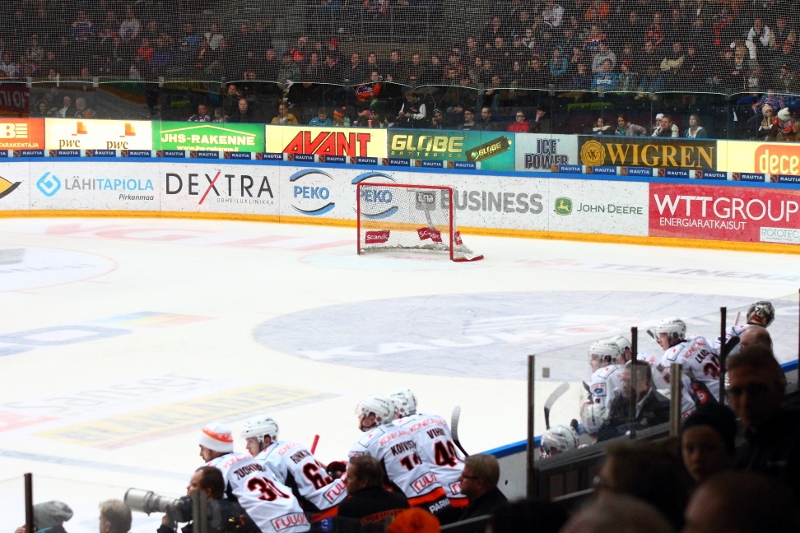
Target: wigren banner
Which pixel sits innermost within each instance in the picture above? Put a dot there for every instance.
(492, 150)
(650, 152)
(209, 136)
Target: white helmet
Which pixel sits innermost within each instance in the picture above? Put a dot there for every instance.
(405, 401)
(382, 406)
(607, 352)
(593, 416)
(622, 342)
(558, 439)
(761, 314)
(260, 426)
(673, 327)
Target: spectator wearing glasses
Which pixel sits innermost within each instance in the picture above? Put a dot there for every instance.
(479, 483)
(520, 125)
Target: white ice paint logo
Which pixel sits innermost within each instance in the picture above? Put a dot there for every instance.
(28, 268)
(780, 235)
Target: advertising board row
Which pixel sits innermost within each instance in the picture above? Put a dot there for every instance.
(642, 157)
(506, 204)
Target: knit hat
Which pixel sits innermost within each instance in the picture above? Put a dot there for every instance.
(414, 520)
(50, 514)
(659, 116)
(339, 112)
(719, 418)
(784, 114)
(217, 437)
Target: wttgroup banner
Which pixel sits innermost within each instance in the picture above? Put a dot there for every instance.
(650, 152)
(22, 134)
(67, 134)
(488, 150)
(209, 136)
(335, 144)
(725, 213)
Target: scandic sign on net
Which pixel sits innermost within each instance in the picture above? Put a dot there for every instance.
(720, 213)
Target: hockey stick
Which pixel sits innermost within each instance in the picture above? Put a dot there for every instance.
(548, 404)
(314, 444)
(454, 429)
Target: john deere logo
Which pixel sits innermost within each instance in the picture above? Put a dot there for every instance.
(593, 153)
(6, 187)
(563, 206)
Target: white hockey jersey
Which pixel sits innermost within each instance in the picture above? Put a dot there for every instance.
(436, 449)
(733, 331)
(700, 362)
(269, 503)
(661, 382)
(397, 452)
(296, 467)
(605, 385)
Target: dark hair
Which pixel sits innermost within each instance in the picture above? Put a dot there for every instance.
(211, 478)
(368, 469)
(718, 417)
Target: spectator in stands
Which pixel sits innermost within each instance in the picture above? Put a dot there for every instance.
(615, 514)
(213, 36)
(479, 483)
(541, 123)
(708, 441)
(741, 502)
(81, 111)
(190, 37)
(755, 335)
(340, 118)
(322, 119)
(115, 517)
(526, 515)
(130, 27)
(604, 53)
(202, 114)
(244, 113)
(601, 128)
(413, 113)
(672, 66)
(767, 127)
(665, 127)
(553, 13)
(67, 109)
(81, 30)
(695, 129)
(652, 408)
(756, 385)
(650, 471)
(487, 122)
(493, 29)
(627, 81)
(40, 109)
(289, 70)
(284, 117)
(558, 66)
(520, 125)
(650, 70)
(761, 36)
(270, 65)
(437, 122)
(368, 501)
(494, 94)
(605, 80)
(625, 127)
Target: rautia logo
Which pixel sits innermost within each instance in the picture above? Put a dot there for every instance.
(563, 206)
(376, 237)
(226, 188)
(6, 187)
(48, 184)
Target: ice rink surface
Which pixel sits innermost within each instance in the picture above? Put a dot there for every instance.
(120, 338)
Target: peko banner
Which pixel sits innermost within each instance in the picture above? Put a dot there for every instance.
(725, 213)
(650, 152)
(66, 134)
(488, 150)
(337, 142)
(22, 134)
(208, 136)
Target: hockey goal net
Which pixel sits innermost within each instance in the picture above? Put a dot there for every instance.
(394, 216)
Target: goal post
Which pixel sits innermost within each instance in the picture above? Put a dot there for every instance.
(394, 216)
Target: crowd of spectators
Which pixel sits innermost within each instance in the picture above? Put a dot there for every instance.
(644, 48)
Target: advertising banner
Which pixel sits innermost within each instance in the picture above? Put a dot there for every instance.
(604, 207)
(215, 188)
(725, 213)
(106, 185)
(337, 142)
(76, 134)
(540, 153)
(22, 134)
(14, 99)
(208, 136)
(760, 158)
(648, 152)
(489, 150)
(15, 186)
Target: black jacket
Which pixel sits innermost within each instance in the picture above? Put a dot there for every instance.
(653, 412)
(224, 516)
(484, 505)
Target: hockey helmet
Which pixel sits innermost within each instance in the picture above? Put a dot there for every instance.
(607, 352)
(381, 406)
(558, 439)
(405, 401)
(761, 314)
(260, 426)
(593, 416)
(673, 327)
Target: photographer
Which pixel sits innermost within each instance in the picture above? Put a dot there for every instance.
(224, 516)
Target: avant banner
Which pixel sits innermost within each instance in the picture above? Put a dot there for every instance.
(650, 152)
(744, 214)
(337, 142)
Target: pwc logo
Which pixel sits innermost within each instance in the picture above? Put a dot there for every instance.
(6, 187)
(778, 159)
